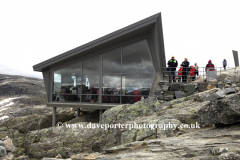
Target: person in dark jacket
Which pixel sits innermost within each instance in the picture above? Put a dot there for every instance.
(209, 66)
(185, 65)
(172, 64)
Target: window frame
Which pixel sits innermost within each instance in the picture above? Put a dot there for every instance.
(100, 56)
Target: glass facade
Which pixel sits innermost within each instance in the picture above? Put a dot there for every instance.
(121, 76)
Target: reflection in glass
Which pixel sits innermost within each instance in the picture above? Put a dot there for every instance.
(112, 62)
(91, 66)
(68, 80)
(131, 99)
(136, 85)
(90, 84)
(110, 99)
(66, 98)
(111, 84)
(130, 67)
(90, 98)
(136, 59)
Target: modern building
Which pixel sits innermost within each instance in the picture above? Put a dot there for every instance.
(116, 69)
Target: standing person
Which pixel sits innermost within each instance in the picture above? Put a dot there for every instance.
(224, 64)
(180, 74)
(172, 63)
(209, 66)
(185, 65)
(196, 69)
(192, 73)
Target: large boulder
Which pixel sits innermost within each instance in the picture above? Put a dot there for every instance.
(224, 111)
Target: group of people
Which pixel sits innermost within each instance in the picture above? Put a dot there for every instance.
(185, 69)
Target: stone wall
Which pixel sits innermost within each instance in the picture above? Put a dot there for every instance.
(169, 91)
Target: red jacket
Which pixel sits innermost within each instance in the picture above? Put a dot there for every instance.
(192, 70)
(180, 72)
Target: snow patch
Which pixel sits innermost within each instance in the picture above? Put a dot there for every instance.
(4, 117)
(3, 109)
(7, 100)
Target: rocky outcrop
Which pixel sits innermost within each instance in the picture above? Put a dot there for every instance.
(224, 111)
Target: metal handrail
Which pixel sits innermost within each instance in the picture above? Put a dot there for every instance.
(202, 73)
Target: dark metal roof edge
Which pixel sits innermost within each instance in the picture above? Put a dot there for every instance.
(118, 33)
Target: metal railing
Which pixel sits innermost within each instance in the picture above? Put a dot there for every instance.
(200, 75)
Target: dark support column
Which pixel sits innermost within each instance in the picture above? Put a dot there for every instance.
(100, 114)
(78, 112)
(54, 116)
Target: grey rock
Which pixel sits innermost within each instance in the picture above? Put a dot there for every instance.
(189, 88)
(229, 156)
(229, 90)
(221, 112)
(23, 157)
(189, 93)
(168, 95)
(221, 94)
(176, 87)
(226, 80)
(164, 85)
(220, 85)
(96, 146)
(158, 94)
(223, 150)
(216, 95)
(202, 86)
(234, 85)
(180, 94)
(55, 159)
(7, 144)
(3, 151)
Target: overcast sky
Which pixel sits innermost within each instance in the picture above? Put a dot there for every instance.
(32, 31)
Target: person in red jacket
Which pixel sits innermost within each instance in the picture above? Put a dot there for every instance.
(180, 74)
(192, 73)
(209, 66)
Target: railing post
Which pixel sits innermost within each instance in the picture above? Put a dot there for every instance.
(203, 74)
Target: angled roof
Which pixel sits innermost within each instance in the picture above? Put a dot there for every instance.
(136, 28)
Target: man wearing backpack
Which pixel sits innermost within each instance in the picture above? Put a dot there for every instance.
(172, 63)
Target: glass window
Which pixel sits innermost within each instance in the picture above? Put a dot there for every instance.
(136, 59)
(68, 80)
(110, 99)
(66, 98)
(131, 99)
(136, 84)
(90, 84)
(90, 98)
(126, 76)
(112, 62)
(111, 84)
(91, 66)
